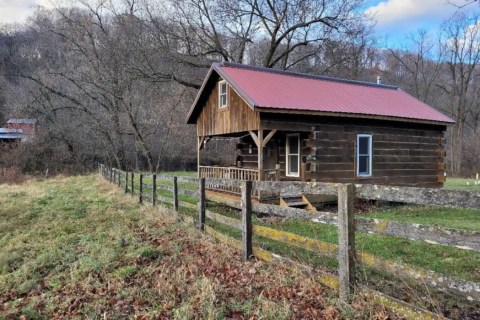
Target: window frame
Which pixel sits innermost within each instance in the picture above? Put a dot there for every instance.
(220, 94)
(287, 154)
(370, 154)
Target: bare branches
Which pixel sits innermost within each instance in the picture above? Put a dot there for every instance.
(461, 6)
(226, 30)
(122, 72)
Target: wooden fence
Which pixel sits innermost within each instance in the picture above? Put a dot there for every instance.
(344, 251)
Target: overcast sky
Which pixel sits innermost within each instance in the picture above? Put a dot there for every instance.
(395, 18)
(18, 10)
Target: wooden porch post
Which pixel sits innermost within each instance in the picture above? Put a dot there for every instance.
(198, 156)
(260, 155)
(260, 141)
(200, 140)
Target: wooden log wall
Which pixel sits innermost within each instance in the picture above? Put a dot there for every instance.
(404, 154)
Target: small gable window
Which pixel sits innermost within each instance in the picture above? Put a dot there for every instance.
(364, 155)
(223, 94)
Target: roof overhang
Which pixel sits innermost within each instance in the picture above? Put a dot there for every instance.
(22, 121)
(349, 115)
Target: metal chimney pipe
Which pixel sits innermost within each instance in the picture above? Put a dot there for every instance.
(379, 79)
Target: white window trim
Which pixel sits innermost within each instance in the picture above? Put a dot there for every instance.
(220, 83)
(370, 154)
(287, 153)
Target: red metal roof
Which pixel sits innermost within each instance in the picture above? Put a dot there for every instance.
(287, 90)
(276, 89)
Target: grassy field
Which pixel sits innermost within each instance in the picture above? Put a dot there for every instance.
(464, 219)
(192, 174)
(461, 184)
(79, 248)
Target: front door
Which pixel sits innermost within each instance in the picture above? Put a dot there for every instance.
(293, 155)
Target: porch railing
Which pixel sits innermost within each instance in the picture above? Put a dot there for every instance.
(227, 173)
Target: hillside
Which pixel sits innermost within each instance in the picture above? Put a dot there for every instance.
(78, 247)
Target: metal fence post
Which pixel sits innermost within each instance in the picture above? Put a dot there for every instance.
(346, 240)
(111, 175)
(175, 194)
(247, 219)
(154, 189)
(119, 177)
(140, 190)
(201, 204)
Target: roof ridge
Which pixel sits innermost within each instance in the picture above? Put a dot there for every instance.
(306, 75)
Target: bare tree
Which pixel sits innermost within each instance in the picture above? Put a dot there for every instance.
(421, 62)
(112, 80)
(288, 32)
(461, 47)
(99, 80)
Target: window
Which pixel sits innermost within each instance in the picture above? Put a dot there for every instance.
(293, 155)
(223, 94)
(364, 155)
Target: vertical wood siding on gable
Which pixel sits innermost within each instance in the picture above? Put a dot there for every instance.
(237, 117)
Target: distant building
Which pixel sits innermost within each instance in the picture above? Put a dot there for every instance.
(28, 126)
(18, 130)
(10, 135)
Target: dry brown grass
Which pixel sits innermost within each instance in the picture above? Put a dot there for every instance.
(12, 176)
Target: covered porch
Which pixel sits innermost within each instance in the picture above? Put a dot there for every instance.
(256, 155)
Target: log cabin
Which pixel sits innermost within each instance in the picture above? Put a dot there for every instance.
(290, 126)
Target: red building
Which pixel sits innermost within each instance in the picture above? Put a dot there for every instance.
(18, 130)
(28, 126)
